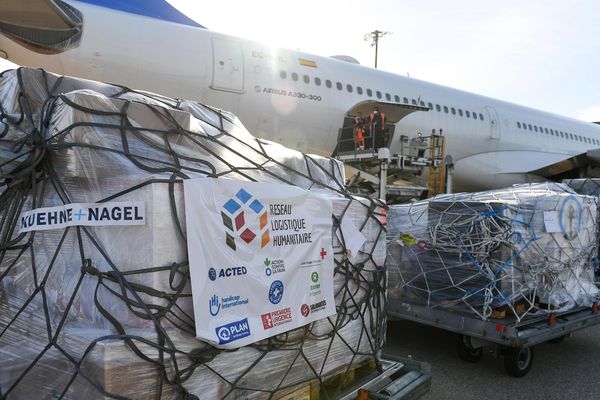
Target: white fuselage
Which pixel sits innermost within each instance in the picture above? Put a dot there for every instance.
(257, 82)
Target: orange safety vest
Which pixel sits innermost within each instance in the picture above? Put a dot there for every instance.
(382, 119)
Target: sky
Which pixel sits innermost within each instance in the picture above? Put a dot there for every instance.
(541, 54)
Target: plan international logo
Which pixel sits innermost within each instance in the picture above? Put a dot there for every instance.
(241, 213)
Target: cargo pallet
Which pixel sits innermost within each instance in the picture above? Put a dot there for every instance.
(398, 379)
(506, 337)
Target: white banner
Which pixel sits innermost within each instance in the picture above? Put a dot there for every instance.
(89, 214)
(261, 259)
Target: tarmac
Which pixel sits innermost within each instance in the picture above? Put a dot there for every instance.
(567, 370)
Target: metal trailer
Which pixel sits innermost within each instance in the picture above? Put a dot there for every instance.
(507, 337)
(399, 379)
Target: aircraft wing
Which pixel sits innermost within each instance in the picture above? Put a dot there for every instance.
(577, 162)
(503, 168)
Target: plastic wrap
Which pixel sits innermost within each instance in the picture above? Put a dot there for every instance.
(106, 312)
(520, 250)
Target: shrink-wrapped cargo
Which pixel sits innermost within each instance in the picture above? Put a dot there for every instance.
(523, 249)
(106, 310)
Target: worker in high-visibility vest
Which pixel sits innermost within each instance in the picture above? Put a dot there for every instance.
(359, 132)
(378, 128)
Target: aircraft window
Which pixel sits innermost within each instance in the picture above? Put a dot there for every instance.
(339, 85)
(535, 128)
(437, 107)
(571, 136)
(453, 111)
(405, 100)
(413, 101)
(430, 106)
(397, 98)
(552, 132)
(468, 114)
(460, 112)
(388, 97)
(546, 130)
(481, 117)
(562, 134)
(349, 88)
(580, 138)
(474, 115)
(378, 93)
(530, 128)
(306, 79)
(359, 90)
(318, 81)
(446, 109)
(518, 124)
(294, 76)
(328, 83)
(422, 103)
(369, 92)
(282, 74)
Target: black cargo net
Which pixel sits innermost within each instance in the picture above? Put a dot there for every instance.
(87, 312)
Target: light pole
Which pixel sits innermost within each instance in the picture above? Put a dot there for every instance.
(374, 38)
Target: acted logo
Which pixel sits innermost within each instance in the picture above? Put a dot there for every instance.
(276, 318)
(214, 274)
(246, 218)
(233, 331)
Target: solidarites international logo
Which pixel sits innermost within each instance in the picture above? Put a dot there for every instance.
(241, 213)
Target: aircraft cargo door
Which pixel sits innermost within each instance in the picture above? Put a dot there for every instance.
(228, 65)
(494, 122)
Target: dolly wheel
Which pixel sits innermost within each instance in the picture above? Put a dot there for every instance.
(517, 362)
(466, 351)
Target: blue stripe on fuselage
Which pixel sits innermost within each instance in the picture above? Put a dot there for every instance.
(159, 9)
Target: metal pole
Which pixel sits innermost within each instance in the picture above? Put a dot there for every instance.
(376, 47)
(383, 178)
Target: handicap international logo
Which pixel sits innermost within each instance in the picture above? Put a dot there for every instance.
(276, 292)
(241, 213)
(214, 305)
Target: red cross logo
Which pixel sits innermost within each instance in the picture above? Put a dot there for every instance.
(323, 253)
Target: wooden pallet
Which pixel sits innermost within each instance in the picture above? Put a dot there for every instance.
(330, 386)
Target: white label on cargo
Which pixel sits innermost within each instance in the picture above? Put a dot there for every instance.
(552, 221)
(261, 259)
(352, 237)
(87, 214)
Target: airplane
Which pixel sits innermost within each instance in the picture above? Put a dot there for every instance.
(295, 98)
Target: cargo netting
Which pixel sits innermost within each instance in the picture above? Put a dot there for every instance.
(507, 253)
(106, 311)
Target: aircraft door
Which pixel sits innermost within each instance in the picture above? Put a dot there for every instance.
(494, 122)
(228, 65)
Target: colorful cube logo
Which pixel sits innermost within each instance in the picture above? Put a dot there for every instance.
(245, 218)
